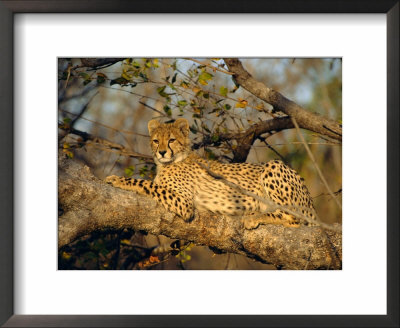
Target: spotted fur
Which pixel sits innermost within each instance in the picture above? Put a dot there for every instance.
(182, 184)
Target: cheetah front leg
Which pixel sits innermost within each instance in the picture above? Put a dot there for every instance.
(173, 201)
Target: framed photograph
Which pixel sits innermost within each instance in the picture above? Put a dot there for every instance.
(162, 152)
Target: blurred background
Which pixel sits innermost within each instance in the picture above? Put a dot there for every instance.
(103, 110)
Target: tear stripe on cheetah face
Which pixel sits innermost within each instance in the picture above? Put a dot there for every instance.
(182, 184)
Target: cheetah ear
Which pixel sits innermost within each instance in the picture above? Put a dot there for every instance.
(152, 125)
(183, 125)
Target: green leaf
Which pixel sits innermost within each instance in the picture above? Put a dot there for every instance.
(182, 103)
(204, 77)
(144, 76)
(214, 137)
(161, 91)
(84, 75)
(129, 171)
(167, 110)
(193, 129)
(120, 81)
(86, 78)
(100, 79)
(143, 171)
(68, 153)
(174, 78)
(126, 76)
(227, 106)
(184, 84)
(223, 91)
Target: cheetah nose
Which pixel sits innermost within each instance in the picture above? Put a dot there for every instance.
(162, 152)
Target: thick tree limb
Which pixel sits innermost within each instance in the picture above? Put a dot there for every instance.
(98, 63)
(305, 119)
(246, 138)
(88, 204)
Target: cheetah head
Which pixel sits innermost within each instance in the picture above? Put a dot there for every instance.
(169, 141)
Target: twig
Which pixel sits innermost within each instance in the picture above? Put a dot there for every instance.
(68, 76)
(152, 108)
(122, 152)
(214, 68)
(84, 108)
(107, 145)
(314, 162)
(337, 192)
(308, 143)
(105, 126)
(264, 140)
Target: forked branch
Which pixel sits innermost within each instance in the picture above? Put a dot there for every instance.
(305, 119)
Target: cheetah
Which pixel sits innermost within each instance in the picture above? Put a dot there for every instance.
(183, 182)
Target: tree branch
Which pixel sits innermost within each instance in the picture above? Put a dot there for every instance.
(246, 139)
(104, 144)
(88, 204)
(305, 119)
(98, 63)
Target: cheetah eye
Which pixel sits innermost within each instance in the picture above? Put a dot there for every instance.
(155, 141)
(171, 140)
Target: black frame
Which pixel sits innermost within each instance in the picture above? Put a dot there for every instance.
(9, 8)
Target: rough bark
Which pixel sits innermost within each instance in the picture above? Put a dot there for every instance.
(305, 119)
(88, 204)
(98, 63)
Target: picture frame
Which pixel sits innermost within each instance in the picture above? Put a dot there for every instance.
(7, 198)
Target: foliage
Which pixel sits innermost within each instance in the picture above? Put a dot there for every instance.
(119, 250)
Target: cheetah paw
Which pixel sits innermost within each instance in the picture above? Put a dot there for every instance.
(113, 180)
(249, 223)
(188, 217)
